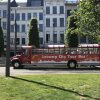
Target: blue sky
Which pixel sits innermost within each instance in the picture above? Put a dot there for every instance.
(26, 0)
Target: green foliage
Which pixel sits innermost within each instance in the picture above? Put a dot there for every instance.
(98, 39)
(51, 87)
(72, 22)
(1, 40)
(72, 35)
(33, 35)
(88, 14)
(72, 40)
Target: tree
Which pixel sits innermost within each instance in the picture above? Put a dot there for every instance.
(33, 35)
(88, 14)
(1, 40)
(72, 35)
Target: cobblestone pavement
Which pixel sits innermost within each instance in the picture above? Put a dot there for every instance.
(14, 72)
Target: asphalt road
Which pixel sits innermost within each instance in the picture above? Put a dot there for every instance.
(32, 71)
(45, 70)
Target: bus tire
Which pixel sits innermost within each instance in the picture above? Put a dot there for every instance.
(16, 64)
(72, 64)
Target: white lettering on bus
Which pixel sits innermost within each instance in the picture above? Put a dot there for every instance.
(62, 56)
(70, 56)
(80, 56)
(51, 57)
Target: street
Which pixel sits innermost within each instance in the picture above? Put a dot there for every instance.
(31, 71)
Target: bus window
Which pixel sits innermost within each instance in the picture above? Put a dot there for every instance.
(51, 51)
(63, 51)
(45, 51)
(98, 50)
(73, 50)
(25, 51)
(79, 51)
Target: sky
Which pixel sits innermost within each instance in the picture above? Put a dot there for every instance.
(26, 0)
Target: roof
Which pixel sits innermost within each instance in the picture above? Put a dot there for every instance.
(13, 4)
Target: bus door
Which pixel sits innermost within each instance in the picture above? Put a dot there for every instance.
(26, 55)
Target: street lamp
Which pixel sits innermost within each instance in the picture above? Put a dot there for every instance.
(53, 32)
(15, 35)
(8, 42)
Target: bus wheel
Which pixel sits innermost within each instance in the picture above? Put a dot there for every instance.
(16, 64)
(72, 64)
(92, 66)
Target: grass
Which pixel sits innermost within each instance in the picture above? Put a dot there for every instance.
(51, 87)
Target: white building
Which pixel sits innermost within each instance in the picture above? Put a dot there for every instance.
(54, 15)
(23, 17)
(51, 16)
(3, 16)
(69, 7)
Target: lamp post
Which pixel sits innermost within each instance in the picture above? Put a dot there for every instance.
(8, 42)
(15, 35)
(53, 32)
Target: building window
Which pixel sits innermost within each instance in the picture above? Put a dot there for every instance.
(23, 27)
(41, 40)
(54, 22)
(23, 16)
(61, 9)
(4, 25)
(29, 16)
(35, 2)
(47, 22)
(0, 13)
(40, 16)
(12, 41)
(17, 16)
(68, 12)
(23, 41)
(18, 41)
(12, 28)
(35, 15)
(54, 9)
(4, 13)
(47, 10)
(18, 28)
(62, 38)
(83, 39)
(41, 27)
(61, 22)
(54, 38)
(47, 38)
(12, 17)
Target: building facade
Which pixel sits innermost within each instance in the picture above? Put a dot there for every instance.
(50, 14)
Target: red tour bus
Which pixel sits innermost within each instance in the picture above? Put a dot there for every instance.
(85, 54)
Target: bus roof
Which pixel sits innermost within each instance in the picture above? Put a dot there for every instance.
(56, 46)
(89, 45)
(26, 46)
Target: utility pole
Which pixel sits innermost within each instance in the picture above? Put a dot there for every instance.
(15, 35)
(8, 42)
